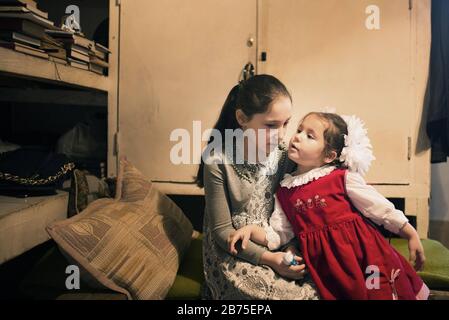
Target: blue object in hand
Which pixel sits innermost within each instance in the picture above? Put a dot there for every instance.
(289, 259)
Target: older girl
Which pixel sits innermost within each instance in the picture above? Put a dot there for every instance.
(238, 194)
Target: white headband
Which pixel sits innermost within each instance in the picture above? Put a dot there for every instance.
(357, 154)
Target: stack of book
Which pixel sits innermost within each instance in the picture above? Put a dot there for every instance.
(22, 28)
(81, 52)
(27, 29)
(99, 58)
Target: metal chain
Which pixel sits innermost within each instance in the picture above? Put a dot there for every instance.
(35, 182)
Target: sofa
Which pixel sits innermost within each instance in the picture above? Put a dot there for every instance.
(47, 277)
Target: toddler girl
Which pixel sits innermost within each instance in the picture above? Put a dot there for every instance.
(327, 205)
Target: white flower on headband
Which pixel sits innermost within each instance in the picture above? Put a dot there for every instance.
(328, 109)
(357, 154)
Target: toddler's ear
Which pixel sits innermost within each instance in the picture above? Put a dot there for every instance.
(330, 157)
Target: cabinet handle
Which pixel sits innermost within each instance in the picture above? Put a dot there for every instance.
(409, 148)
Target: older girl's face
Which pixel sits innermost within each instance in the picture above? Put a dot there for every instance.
(274, 122)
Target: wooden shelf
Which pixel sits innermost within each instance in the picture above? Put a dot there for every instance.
(21, 64)
(61, 96)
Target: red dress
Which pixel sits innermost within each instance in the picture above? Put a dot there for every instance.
(341, 249)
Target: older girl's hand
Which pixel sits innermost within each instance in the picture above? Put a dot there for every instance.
(275, 261)
(243, 234)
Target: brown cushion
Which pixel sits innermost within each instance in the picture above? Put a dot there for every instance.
(131, 244)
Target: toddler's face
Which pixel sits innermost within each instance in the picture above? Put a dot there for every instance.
(306, 147)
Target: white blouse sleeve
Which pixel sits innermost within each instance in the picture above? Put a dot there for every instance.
(372, 204)
(279, 231)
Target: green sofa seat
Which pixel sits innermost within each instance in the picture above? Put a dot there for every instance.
(190, 277)
(46, 280)
(436, 268)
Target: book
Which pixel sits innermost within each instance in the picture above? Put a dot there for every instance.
(54, 50)
(29, 16)
(23, 26)
(97, 69)
(98, 54)
(101, 51)
(24, 49)
(58, 60)
(102, 48)
(98, 62)
(71, 38)
(78, 56)
(12, 36)
(31, 3)
(25, 8)
(78, 64)
(82, 50)
(60, 34)
(55, 42)
(83, 42)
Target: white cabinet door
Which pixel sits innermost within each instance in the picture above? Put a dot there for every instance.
(178, 61)
(326, 56)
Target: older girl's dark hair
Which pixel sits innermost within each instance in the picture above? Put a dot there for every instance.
(334, 139)
(252, 96)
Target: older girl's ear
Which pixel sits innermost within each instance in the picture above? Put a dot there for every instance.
(330, 157)
(241, 117)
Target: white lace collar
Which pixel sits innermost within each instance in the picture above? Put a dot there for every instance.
(290, 181)
(269, 161)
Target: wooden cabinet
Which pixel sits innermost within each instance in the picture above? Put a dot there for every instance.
(327, 57)
(177, 61)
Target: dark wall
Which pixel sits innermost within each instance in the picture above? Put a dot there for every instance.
(92, 13)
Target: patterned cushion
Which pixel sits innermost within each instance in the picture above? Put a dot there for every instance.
(131, 244)
(84, 189)
(78, 195)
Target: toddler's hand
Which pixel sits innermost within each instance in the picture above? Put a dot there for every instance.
(416, 250)
(293, 250)
(290, 259)
(415, 247)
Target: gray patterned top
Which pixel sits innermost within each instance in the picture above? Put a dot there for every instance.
(237, 195)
